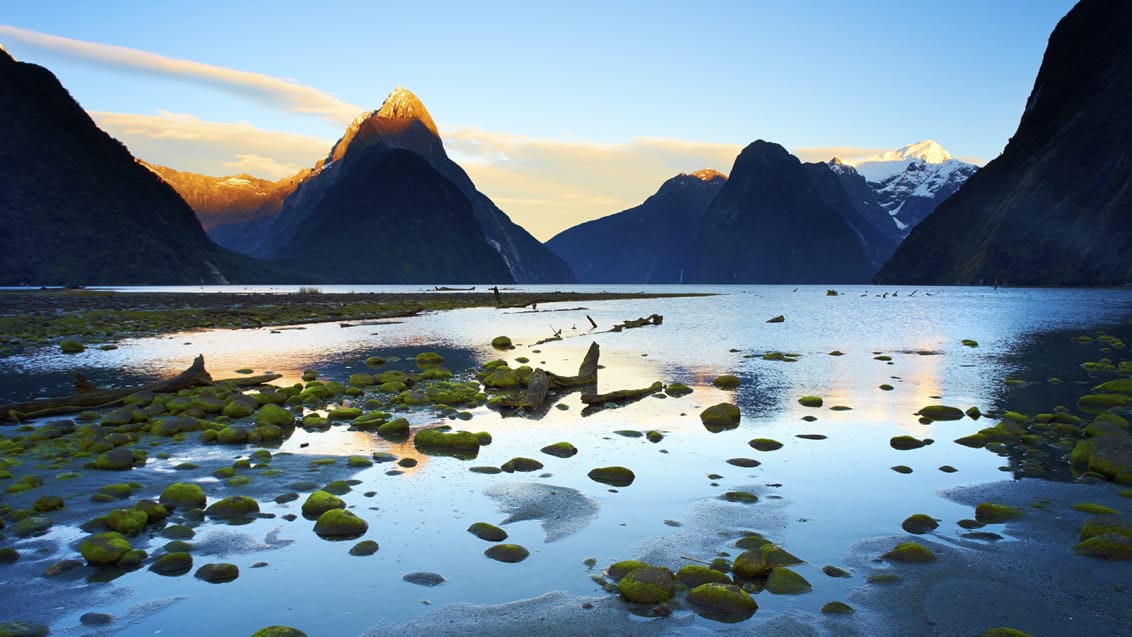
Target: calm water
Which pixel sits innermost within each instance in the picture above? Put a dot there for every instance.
(817, 497)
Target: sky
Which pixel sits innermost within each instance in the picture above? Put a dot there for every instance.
(559, 111)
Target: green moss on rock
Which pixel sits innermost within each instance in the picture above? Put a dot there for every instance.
(177, 563)
(693, 575)
(217, 573)
(613, 476)
(462, 444)
(991, 513)
(183, 495)
(836, 608)
(647, 585)
(677, 390)
(364, 548)
(487, 532)
(560, 450)
(396, 429)
(811, 401)
(236, 506)
(764, 444)
(784, 581)
(104, 548)
(272, 414)
(722, 602)
(726, 381)
(919, 524)
(941, 412)
(910, 553)
(521, 464)
(337, 524)
(278, 631)
(319, 502)
(502, 342)
(617, 570)
(720, 417)
(509, 553)
(127, 521)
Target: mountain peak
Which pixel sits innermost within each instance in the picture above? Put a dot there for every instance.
(5, 56)
(403, 104)
(927, 150)
(708, 174)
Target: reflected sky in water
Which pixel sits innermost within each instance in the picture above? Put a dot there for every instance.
(822, 495)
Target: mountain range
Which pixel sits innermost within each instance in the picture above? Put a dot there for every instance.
(1055, 208)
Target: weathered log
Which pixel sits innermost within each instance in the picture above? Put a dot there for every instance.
(622, 396)
(652, 319)
(87, 397)
(587, 371)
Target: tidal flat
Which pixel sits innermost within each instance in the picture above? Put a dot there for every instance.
(818, 487)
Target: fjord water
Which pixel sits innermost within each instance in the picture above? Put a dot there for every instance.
(816, 497)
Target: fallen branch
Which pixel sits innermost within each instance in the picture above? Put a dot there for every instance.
(88, 397)
(622, 396)
(652, 319)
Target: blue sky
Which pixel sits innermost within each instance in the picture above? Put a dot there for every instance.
(559, 111)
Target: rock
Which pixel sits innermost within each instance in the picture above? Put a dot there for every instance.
(396, 429)
(744, 497)
(177, 563)
(990, 513)
(338, 524)
(217, 573)
(47, 503)
(764, 444)
(617, 570)
(364, 548)
(272, 414)
(746, 463)
(722, 602)
(647, 585)
(776, 319)
(1004, 632)
(9, 555)
(613, 476)
(919, 524)
(31, 525)
(502, 342)
(726, 381)
(677, 390)
(521, 464)
(510, 553)
(127, 521)
(278, 631)
(23, 629)
(1109, 546)
(183, 495)
(811, 401)
(431, 359)
(461, 444)
(836, 608)
(693, 575)
(104, 548)
(905, 443)
(1105, 525)
(319, 502)
(95, 619)
(116, 459)
(834, 571)
(560, 450)
(720, 417)
(910, 552)
(424, 579)
(487, 532)
(236, 506)
(940, 412)
(783, 581)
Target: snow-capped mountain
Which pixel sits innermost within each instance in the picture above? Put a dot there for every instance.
(909, 183)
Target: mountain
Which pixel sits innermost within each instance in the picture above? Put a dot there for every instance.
(769, 224)
(651, 243)
(233, 209)
(1054, 207)
(909, 183)
(836, 191)
(77, 208)
(402, 124)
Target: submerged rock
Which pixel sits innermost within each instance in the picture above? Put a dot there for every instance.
(509, 553)
(647, 585)
(424, 579)
(722, 602)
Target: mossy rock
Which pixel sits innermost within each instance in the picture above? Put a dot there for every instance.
(743, 497)
(272, 414)
(940, 412)
(1115, 386)
(233, 436)
(521, 464)
(232, 507)
(429, 359)
(1105, 525)
(177, 563)
(364, 548)
(319, 502)
(340, 524)
(502, 342)
(776, 319)
(614, 476)
(722, 602)
(617, 570)
(906, 443)
(833, 571)
(991, 513)
(509, 553)
(9, 555)
(47, 503)
(344, 413)
(677, 390)
(104, 548)
(31, 525)
(1109, 546)
(1094, 509)
(726, 381)
(774, 555)
(560, 450)
(910, 553)
(648, 585)
(278, 631)
(811, 401)
(750, 565)
(693, 575)
(836, 608)
(720, 417)
(361, 379)
(487, 532)
(127, 521)
(358, 462)
(919, 523)
(23, 629)
(784, 581)
(751, 541)
(764, 444)
(183, 495)
(462, 444)
(338, 487)
(746, 463)
(116, 459)
(217, 572)
(396, 429)
(71, 346)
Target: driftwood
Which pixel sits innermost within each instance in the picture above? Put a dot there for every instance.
(652, 319)
(88, 397)
(622, 396)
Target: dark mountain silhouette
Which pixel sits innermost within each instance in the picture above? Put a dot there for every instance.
(402, 123)
(77, 208)
(651, 243)
(832, 190)
(1055, 208)
(769, 224)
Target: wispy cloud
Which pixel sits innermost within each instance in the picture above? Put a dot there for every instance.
(273, 92)
(185, 142)
(548, 185)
